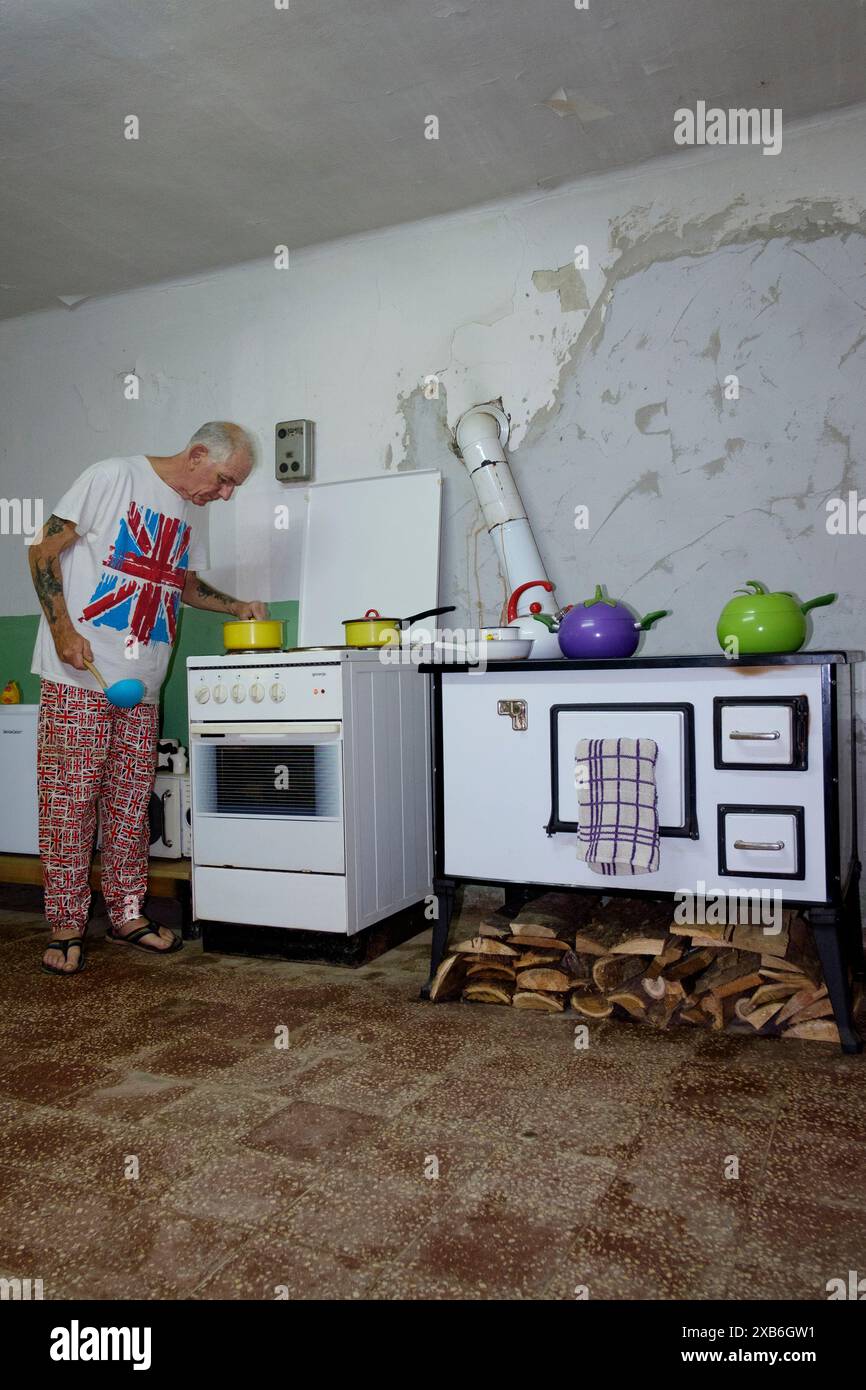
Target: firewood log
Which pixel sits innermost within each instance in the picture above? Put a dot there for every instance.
(661, 1008)
(535, 957)
(578, 966)
(692, 963)
(539, 943)
(534, 929)
(792, 978)
(754, 937)
(609, 972)
(484, 946)
(801, 1000)
(546, 981)
(645, 945)
(815, 1029)
(757, 1017)
(591, 1005)
(668, 956)
(597, 938)
(822, 1008)
(719, 1008)
(491, 929)
(631, 1000)
(731, 973)
(490, 970)
(693, 1014)
(449, 978)
(543, 1003)
(772, 994)
(488, 992)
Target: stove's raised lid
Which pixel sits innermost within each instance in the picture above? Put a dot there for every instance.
(368, 543)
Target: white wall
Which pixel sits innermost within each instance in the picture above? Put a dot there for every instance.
(702, 265)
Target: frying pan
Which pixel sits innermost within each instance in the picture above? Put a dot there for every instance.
(375, 631)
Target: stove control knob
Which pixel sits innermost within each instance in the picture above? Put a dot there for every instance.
(220, 693)
(202, 694)
(277, 692)
(257, 692)
(238, 694)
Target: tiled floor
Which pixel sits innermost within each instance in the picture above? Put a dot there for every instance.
(396, 1149)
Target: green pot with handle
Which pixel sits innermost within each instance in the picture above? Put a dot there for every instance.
(763, 622)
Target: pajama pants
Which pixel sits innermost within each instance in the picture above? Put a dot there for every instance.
(90, 752)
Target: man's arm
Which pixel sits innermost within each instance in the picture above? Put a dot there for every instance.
(198, 594)
(44, 557)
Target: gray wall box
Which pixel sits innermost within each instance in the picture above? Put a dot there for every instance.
(293, 462)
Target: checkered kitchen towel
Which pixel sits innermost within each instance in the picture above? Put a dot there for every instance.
(617, 818)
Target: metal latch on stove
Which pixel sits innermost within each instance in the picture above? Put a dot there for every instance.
(516, 711)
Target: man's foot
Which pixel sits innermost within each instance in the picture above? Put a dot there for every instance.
(157, 938)
(64, 960)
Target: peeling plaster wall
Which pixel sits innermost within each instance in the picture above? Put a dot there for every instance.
(709, 263)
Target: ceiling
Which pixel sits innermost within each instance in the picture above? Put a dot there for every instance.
(261, 126)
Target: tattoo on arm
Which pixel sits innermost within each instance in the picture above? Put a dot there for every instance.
(44, 558)
(54, 525)
(48, 583)
(208, 595)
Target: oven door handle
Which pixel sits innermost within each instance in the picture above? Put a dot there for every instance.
(246, 732)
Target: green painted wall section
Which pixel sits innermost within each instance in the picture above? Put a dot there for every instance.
(199, 634)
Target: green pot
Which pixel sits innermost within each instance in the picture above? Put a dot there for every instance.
(762, 622)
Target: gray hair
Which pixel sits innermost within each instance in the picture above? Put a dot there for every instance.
(221, 438)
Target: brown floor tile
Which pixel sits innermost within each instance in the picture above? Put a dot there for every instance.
(495, 1248)
(308, 1132)
(237, 1187)
(47, 1078)
(193, 1055)
(133, 1096)
(347, 1215)
(271, 1268)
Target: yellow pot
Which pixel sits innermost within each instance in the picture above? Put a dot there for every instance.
(256, 635)
(372, 631)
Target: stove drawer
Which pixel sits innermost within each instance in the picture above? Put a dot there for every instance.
(761, 732)
(762, 841)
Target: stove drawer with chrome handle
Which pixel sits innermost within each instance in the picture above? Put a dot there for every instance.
(762, 841)
(752, 732)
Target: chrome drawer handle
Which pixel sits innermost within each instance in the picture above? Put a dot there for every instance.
(774, 734)
(759, 844)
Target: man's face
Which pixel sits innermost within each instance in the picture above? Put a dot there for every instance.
(209, 481)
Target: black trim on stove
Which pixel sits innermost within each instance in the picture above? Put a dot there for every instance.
(800, 831)
(689, 827)
(799, 706)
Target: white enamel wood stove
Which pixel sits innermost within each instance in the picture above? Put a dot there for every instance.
(755, 777)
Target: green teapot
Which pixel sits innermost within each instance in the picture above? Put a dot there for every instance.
(763, 622)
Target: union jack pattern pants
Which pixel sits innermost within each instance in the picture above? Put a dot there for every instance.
(89, 752)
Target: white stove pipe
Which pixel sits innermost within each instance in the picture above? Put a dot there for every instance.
(481, 435)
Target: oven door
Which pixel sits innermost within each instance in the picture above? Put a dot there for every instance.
(268, 796)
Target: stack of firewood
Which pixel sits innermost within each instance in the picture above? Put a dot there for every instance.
(627, 957)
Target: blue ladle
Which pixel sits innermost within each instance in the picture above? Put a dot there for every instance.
(125, 694)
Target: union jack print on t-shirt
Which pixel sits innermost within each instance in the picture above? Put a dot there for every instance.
(145, 571)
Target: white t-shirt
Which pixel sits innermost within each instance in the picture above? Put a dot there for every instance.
(122, 580)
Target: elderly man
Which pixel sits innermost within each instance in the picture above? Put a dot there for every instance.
(111, 567)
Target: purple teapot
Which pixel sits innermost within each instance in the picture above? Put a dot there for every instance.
(600, 629)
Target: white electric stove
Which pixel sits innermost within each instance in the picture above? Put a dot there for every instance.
(310, 788)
